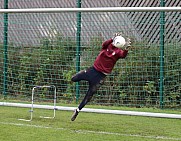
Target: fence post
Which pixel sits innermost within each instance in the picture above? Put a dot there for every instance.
(162, 36)
(78, 44)
(5, 44)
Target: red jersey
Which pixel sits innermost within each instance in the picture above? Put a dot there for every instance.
(108, 57)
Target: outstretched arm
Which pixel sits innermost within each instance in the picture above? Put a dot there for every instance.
(106, 43)
(124, 53)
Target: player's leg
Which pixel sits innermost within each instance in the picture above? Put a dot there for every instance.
(92, 89)
(79, 76)
(94, 83)
(83, 75)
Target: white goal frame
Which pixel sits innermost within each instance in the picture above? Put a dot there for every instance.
(32, 106)
(99, 9)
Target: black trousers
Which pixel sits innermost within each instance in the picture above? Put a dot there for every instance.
(95, 79)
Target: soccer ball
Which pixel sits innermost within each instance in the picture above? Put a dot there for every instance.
(119, 41)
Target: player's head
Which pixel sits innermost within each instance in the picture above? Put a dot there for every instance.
(119, 41)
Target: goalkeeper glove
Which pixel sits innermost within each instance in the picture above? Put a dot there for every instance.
(128, 44)
(117, 34)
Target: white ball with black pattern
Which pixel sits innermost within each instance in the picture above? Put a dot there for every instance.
(119, 41)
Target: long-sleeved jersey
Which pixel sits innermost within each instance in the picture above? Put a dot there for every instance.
(108, 57)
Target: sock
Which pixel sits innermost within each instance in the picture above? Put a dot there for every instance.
(78, 110)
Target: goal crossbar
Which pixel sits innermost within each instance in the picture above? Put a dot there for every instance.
(97, 9)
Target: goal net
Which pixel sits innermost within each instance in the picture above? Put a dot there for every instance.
(47, 46)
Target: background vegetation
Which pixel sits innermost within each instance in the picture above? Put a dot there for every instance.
(134, 81)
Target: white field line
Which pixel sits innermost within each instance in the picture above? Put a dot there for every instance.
(92, 132)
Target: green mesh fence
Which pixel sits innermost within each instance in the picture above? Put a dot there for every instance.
(43, 49)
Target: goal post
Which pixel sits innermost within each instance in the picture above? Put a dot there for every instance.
(42, 50)
(33, 105)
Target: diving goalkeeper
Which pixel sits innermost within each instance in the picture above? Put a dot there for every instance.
(112, 50)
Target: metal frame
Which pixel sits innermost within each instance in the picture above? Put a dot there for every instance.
(99, 9)
(32, 103)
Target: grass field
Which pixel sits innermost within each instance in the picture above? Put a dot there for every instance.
(87, 127)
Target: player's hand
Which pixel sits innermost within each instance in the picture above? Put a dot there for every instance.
(117, 34)
(128, 44)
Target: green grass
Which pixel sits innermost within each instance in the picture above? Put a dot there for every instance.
(87, 127)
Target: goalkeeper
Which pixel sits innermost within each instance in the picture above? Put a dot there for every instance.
(112, 50)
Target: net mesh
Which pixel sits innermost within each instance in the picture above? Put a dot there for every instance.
(42, 50)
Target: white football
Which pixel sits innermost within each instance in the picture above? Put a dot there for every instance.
(119, 41)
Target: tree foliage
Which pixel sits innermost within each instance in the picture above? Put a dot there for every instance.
(134, 80)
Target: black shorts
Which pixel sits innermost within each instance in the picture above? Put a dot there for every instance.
(91, 75)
